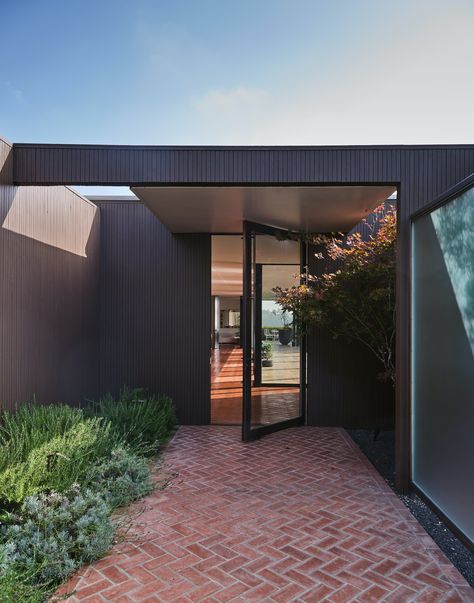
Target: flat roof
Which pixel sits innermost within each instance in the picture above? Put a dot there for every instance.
(222, 209)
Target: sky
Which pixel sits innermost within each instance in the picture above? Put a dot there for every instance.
(250, 72)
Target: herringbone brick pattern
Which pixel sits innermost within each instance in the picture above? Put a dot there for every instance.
(300, 515)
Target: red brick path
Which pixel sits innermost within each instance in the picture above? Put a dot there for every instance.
(300, 515)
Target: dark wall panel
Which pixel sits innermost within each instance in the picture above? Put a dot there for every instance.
(83, 164)
(421, 172)
(344, 388)
(49, 268)
(155, 309)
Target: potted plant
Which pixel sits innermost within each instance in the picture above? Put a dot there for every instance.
(267, 354)
(285, 334)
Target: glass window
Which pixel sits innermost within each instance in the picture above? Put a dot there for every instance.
(443, 358)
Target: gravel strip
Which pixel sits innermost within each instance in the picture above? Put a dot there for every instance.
(381, 453)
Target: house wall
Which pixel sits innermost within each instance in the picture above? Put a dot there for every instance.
(421, 173)
(155, 311)
(344, 388)
(142, 305)
(49, 251)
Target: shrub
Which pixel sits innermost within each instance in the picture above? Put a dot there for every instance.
(20, 586)
(30, 427)
(144, 422)
(122, 478)
(353, 296)
(45, 451)
(59, 462)
(55, 534)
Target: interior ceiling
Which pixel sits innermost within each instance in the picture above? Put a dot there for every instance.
(222, 209)
(226, 260)
(227, 270)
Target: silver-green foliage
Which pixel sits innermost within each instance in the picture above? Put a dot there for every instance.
(56, 533)
(121, 478)
(45, 451)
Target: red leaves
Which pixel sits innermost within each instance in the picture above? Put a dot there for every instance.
(355, 298)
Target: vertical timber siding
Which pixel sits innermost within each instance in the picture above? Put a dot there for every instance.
(155, 309)
(421, 173)
(342, 381)
(49, 252)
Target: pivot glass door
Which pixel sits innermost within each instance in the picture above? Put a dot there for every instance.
(274, 371)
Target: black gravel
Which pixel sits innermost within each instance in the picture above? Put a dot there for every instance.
(381, 453)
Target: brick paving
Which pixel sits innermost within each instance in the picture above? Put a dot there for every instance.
(300, 515)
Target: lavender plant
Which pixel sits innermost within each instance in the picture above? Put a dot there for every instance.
(55, 533)
(122, 478)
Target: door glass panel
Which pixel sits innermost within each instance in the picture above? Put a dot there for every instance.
(275, 384)
(279, 341)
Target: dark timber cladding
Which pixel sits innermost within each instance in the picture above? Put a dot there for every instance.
(342, 383)
(49, 292)
(421, 174)
(155, 309)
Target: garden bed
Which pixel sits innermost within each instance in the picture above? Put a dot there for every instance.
(63, 472)
(381, 453)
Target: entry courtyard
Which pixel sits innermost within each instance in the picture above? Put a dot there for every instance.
(300, 515)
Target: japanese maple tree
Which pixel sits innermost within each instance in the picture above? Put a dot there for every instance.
(354, 294)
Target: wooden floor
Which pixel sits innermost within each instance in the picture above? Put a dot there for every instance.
(269, 404)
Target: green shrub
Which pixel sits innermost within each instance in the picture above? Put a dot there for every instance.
(30, 427)
(59, 462)
(54, 534)
(20, 586)
(144, 422)
(122, 478)
(45, 452)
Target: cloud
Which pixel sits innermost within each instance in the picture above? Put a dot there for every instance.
(233, 110)
(16, 93)
(409, 81)
(233, 100)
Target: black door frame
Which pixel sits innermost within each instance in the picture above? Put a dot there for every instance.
(249, 231)
(257, 325)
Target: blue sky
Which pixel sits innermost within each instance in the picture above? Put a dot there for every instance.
(237, 72)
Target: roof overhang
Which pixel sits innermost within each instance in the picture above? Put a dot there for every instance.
(222, 209)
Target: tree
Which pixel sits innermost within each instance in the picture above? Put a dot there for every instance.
(354, 297)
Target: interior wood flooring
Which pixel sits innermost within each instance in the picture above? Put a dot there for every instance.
(269, 404)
